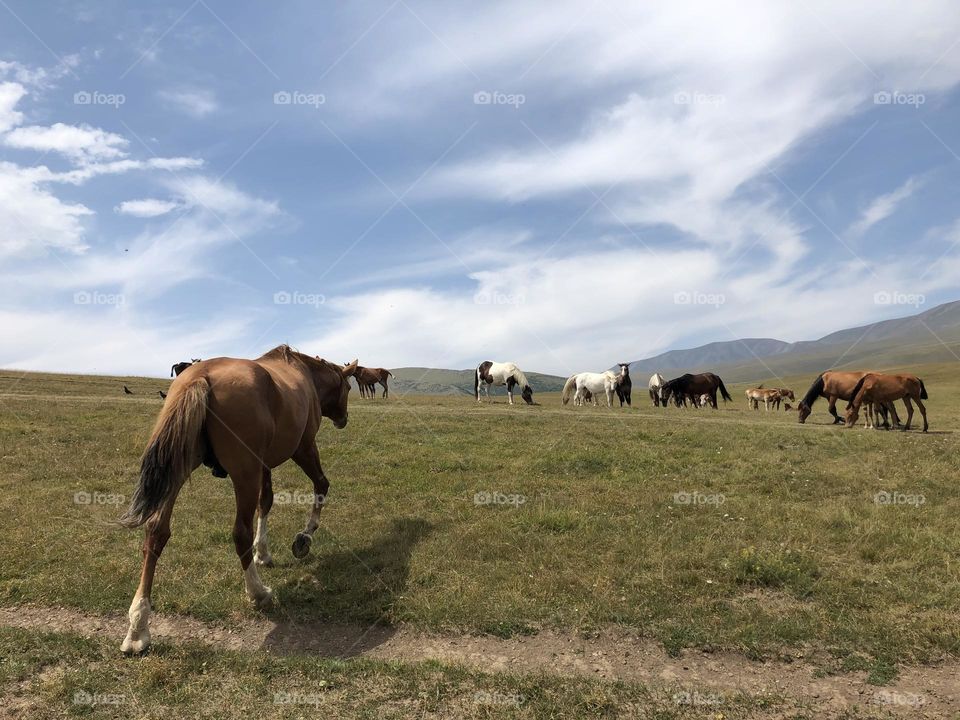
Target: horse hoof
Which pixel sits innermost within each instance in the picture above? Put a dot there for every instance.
(301, 545)
(263, 560)
(264, 600)
(135, 645)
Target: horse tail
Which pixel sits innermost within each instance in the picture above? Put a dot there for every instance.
(476, 383)
(568, 387)
(171, 452)
(856, 390)
(723, 390)
(923, 390)
(389, 373)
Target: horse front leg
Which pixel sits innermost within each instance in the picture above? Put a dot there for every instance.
(833, 410)
(308, 458)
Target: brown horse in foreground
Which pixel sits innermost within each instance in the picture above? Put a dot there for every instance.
(876, 390)
(833, 386)
(243, 417)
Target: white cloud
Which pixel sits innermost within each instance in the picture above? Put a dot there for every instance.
(33, 219)
(10, 94)
(883, 207)
(80, 143)
(145, 208)
(195, 102)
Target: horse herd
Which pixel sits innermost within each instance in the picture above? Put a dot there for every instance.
(242, 418)
(873, 391)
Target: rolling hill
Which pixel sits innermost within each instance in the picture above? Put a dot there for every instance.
(932, 336)
(927, 337)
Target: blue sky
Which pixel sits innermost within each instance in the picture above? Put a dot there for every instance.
(435, 184)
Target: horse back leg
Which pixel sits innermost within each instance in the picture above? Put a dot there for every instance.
(923, 413)
(156, 535)
(307, 457)
(261, 548)
(906, 401)
(247, 483)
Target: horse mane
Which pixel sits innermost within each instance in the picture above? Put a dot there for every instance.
(814, 392)
(856, 389)
(283, 352)
(520, 377)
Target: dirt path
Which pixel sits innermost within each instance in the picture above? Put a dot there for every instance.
(928, 692)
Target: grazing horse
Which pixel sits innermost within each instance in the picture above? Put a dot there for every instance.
(656, 382)
(767, 396)
(833, 385)
(624, 384)
(367, 378)
(593, 383)
(877, 390)
(179, 367)
(692, 386)
(247, 416)
(499, 374)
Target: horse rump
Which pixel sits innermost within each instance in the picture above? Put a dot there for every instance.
(170, 455)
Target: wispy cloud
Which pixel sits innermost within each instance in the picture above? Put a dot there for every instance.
(883, 207)
(195, 102)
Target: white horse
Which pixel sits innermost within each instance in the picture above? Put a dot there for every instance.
(656, 382)
(596, 383)
(499, 374)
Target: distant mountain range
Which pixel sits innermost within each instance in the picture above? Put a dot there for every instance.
(930, 336)
(927, 337)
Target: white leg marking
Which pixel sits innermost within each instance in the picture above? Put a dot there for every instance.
(258, 593)
(138, 635)
(261, 552)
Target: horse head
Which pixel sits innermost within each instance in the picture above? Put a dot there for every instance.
(332, 382)
(803, 411)
(527, 394)
(853, 414)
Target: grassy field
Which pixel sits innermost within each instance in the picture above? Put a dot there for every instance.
(721, 530)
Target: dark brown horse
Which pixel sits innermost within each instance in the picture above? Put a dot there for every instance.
(624, 384)
(244, 417)
(367, 379)
(691, 387)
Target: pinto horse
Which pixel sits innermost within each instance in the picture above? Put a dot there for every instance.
(692, 386)
(877, 390)
(499, 374)
(589, 383)
(245, 417)
(656, 382)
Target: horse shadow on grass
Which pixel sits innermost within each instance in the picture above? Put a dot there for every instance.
(341, 601)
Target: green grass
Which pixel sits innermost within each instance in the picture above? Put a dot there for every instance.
(796, 554)
(46, 675)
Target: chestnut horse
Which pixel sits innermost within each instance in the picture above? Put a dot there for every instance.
(242, 417)
(367, 378)
(877, 390)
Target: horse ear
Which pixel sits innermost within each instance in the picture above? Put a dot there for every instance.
(350, 369)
